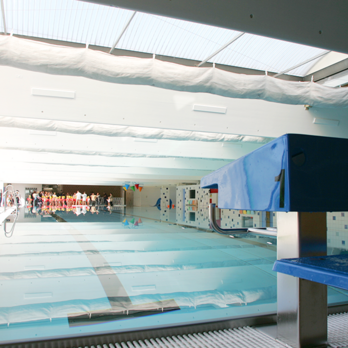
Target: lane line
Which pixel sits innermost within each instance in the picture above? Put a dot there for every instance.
(120, 302)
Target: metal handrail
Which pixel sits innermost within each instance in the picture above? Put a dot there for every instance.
(9, 234)
(271, 232)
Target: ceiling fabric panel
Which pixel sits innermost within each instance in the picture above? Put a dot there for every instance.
(124, 131)
(27, 156)
(83, 144)
(42, 57)
(88, 23)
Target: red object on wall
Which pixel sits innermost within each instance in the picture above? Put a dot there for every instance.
(214, 190)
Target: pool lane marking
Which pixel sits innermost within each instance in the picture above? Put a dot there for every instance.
(120, 302)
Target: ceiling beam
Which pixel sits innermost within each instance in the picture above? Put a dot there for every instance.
(3, 16)
(221, 48)
(328, 71)
(318, 23)
(122, 32)
(302, 63)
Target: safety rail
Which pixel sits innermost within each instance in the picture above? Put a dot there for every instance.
(270, 232)
(9, 234)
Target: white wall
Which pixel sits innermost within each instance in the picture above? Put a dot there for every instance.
(133, 105)
(147, 197)
(172, 194)
(147, 106)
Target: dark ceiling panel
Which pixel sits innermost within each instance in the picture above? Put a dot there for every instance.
(318, 23)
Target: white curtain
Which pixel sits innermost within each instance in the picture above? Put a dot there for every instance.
(42, 57)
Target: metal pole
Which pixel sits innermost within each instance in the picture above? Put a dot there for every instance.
(3, 16)
(221, 48)
(302, 63)
(123, 31)
(302, 304)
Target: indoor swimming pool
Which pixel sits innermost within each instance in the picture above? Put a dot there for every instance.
(65, 274)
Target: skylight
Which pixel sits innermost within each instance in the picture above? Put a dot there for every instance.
(87, 23)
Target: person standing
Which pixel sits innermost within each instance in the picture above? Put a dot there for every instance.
(98, 198)
(34, 196)
(84, 198)
(78, 197)
(93, 199)
(109, 201)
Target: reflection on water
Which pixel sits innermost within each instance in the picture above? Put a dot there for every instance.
(130, 273)
(190, 213)
(75, 270)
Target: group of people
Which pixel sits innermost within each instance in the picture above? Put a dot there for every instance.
(51, 199)
(11, 198)
(76, 210)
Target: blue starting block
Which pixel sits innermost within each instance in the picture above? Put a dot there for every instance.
(291, 173)
(301, 177)
(329, 270)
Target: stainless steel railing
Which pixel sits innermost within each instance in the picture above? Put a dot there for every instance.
(271, 232)
(9, 189)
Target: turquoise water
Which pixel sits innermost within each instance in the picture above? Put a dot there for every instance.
(92, 273)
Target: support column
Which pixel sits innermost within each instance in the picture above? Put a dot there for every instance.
(302, 305)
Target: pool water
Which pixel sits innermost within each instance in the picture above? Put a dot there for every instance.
(94, 274)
